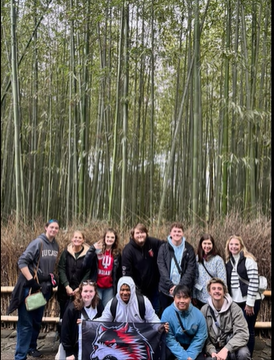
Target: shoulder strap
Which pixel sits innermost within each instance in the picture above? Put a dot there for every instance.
(141, 305)
(35, 276)
(181, 325)
(113, 307)
(206, 269)
(215, 320)
(212, 313)
(243, 280)
(83, 311)
(177, 265)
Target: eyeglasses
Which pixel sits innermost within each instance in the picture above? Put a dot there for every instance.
(53, 220)
(89, 282)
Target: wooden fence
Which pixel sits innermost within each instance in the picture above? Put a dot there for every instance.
(52, 310)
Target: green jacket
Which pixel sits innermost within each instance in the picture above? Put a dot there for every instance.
(234, 329)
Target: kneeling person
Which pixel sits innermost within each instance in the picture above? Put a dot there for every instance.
(187, 326)
(127, 306)
(227, 327)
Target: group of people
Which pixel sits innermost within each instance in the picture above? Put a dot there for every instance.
(207, 306)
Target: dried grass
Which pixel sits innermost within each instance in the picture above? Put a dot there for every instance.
(256, 235)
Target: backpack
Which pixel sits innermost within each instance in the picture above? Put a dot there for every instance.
(141, 305)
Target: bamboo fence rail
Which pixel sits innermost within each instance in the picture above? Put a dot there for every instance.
(53, 319)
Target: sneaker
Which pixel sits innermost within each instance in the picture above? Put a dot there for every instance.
(35, 353)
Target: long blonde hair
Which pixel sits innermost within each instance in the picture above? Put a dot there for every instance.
(246, 253)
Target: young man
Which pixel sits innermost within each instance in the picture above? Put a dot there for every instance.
(176, 263)
(187, 326)
(139, 261)
(226, 324)
(127, 307)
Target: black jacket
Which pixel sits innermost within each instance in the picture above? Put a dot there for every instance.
(91, 263)
(188, 266)
(140, 263)
(70, 271)
(241, 270)
(69, 329)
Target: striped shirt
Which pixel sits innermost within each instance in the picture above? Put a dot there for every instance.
(252, 291)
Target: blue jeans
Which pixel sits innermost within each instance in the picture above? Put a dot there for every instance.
(155, 301)
(105, 294)
(28, 328)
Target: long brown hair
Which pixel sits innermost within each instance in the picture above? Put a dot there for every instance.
(115, 247)
(78, 301)
(200, 251)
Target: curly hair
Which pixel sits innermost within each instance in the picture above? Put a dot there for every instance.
(246, 253)
(200, 251)
(78, 301)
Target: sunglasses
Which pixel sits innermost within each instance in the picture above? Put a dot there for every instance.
(89, 282)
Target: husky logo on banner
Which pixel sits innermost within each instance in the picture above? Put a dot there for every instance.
(116, 341)
(123, 342)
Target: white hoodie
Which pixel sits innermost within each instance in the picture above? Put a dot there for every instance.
(129, 312)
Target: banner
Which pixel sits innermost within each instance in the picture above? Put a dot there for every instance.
(121, 341)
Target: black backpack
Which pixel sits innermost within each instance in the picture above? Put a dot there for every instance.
(141, 305)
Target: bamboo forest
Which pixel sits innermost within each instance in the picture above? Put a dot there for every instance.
(121, 110)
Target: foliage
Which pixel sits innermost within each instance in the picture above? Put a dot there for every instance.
(255, 233)
(71, 91)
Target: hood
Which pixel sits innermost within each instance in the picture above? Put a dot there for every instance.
(184, 312)
(182, 245)
(227, 303)
(84, 251)
(129, 281)
(133, 243)
(44, 238)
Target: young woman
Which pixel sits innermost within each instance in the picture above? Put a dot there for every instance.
(70, 269)
(103, 260)
(41, 253)
(86, 305)
(243, 282)
(209, 265)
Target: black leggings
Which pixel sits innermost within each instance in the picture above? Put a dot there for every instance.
(251, 320)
